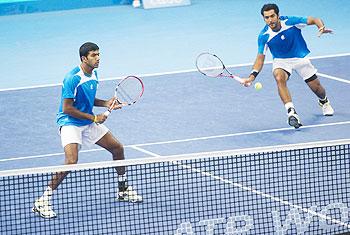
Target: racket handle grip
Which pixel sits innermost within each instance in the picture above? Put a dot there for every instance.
(238, 79)
(107, 113)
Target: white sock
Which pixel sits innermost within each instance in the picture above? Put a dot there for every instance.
(122, 183)
(47, 194)
(289, 106)
(323, 101)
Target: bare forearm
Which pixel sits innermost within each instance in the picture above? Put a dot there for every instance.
(258, 64)
(257, 67)
(73, 112)
(100, 103)
(320, 25)
(315, 21)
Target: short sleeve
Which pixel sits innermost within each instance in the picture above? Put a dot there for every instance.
(262, 46)
(69, 86)
(299, 22)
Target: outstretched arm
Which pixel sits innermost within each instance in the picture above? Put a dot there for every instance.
(320, 25)
(257, 67)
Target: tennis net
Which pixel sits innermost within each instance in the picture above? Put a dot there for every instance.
(289, 189)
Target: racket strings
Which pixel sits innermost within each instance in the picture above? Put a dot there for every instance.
(210, 65)
(124, 96)
(129, 91)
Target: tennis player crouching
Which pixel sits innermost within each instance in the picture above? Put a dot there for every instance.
(282, 35)
(79, 125)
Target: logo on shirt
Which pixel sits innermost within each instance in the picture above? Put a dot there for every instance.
(91, 87)
(283, 37)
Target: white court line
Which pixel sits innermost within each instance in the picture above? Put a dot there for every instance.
(333, 78)
(244, 133)
(165, 73)
(250, 189)
(135, 146)
(145, 151)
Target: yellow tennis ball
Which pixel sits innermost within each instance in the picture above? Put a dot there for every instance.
(258, 86)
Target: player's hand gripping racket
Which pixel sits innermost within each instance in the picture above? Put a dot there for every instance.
(127, 92)
(212, 66)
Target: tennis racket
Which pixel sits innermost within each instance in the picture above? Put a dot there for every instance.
(212, 66)
(127, 92)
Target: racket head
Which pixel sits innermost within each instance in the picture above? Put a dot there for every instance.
(209, 64)
(129, 90)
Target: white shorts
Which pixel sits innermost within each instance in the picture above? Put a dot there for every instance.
(88, 134)
(302, 66)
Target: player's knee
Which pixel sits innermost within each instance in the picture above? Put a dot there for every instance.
(71, 160)
(118, 148)
(314, 83)
(118, 152)
(281, 76)
(313, 80)
(281, 80)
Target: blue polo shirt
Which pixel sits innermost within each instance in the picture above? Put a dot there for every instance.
(82, 88)
(288, 42)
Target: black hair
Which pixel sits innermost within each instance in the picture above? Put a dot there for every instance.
(86, 48)
(270, 6)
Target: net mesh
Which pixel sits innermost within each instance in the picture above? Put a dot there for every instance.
(302, 190)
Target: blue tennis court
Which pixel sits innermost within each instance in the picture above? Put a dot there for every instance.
(181, 113)
(197, 114)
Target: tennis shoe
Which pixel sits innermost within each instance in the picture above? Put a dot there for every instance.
(294, 120)
(326, 108)
(43, 208)
(129, 195)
